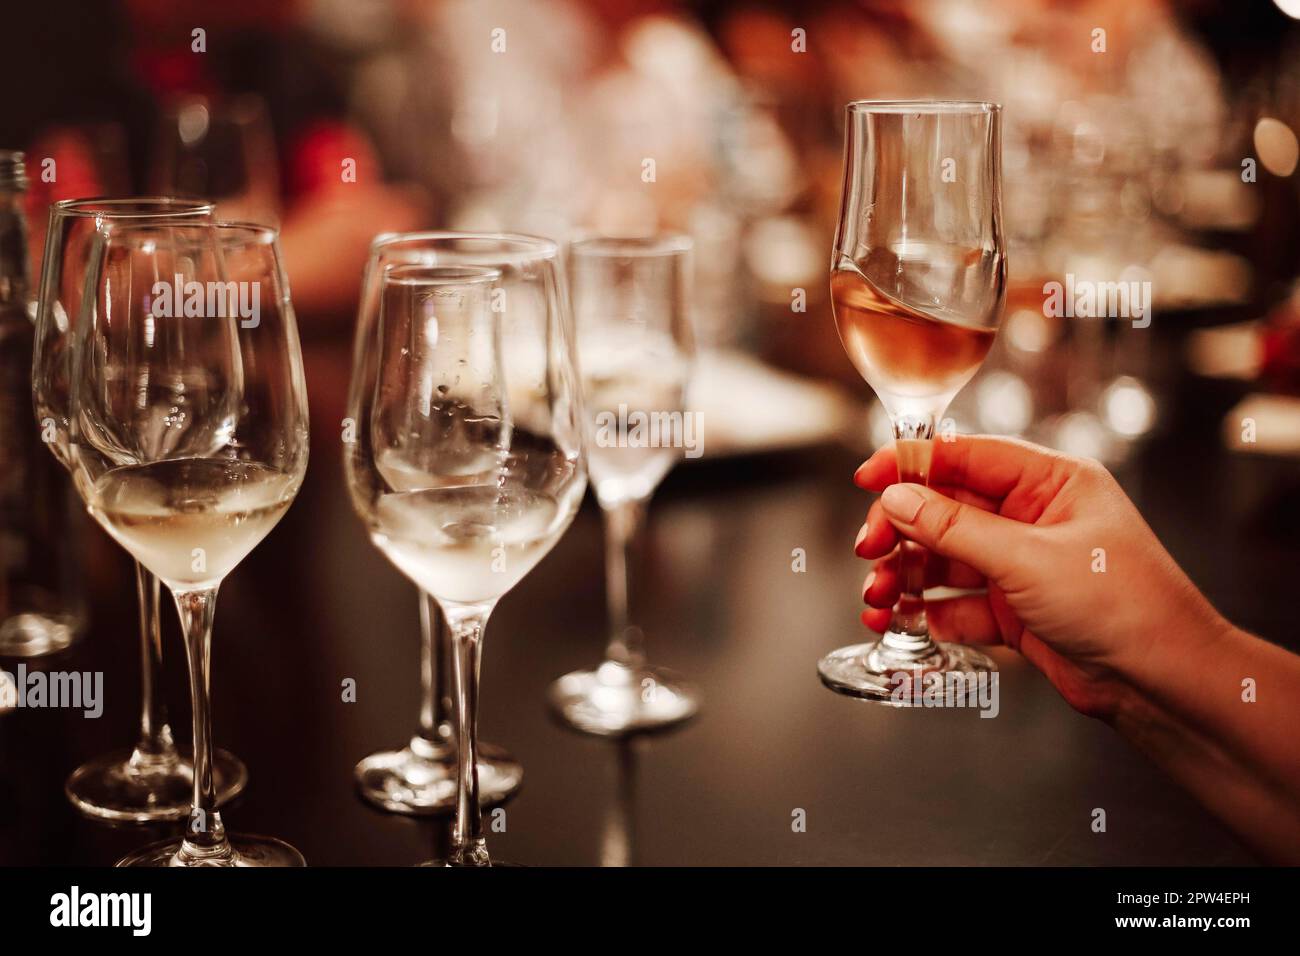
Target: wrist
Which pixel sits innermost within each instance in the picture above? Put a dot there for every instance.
(1177, 652)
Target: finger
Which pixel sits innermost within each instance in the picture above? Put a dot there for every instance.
(986, 542)
(878, 471)
(968, 497)
(963, 620)
(877, 537)
(984, 464)
(880, 589)
(877, 619)
(960, 620)
(883, 585)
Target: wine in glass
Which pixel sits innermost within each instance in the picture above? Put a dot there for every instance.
(468, 464)
(188, 443)
(918, 281)
(631, 304)
(152, 781)
(420, 777)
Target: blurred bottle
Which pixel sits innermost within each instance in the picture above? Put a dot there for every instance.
(40, 605)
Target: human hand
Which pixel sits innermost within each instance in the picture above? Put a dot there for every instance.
(1076, 580)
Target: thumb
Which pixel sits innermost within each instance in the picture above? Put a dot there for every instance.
(985, 541)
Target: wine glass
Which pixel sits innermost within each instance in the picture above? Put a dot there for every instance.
(635, 347)
(918, 280)
(152, 781)
(188, 443)
(420, 778)
(467, 464)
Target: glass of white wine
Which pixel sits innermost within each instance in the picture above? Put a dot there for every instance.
(631, 303)
(918, 283)
(420, 777)
(467, 465)
(152, 781)
(188, 442)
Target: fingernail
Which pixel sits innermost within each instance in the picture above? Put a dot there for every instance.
(902, 502)
(857, 542)
(866, 585)
(857, 475)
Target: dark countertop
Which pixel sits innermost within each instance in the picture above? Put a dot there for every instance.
(316, 604)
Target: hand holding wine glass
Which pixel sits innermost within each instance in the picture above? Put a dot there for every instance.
(918, 280)
(188, 442)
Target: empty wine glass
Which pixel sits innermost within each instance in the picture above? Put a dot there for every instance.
(420, 777)
(631, 305)
(918, 281)
(188, 442)
(467, 461)
(152, 781)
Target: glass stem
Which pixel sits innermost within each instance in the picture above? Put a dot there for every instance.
(468, 846)
(437, 729)
(205, 837)
(908, 638)
(155, 749)
(623, 524)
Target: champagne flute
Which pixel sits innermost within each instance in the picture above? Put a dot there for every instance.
(152, 781)
(188, 443)
(420, 777)
(918, 281)
(631, 305)
(467, 465)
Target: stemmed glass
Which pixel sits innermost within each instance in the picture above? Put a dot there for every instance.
(420, 778)
(635, 347)
(151, 782)
(188, 442)
(918, 280)
(467, 464)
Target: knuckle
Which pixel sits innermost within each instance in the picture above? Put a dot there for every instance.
(946, 527)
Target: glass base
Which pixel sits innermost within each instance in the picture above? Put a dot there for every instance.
(408, 781)
(109, 788)
(867, 671)
(448, 865)
(245, 851)
(616, 699)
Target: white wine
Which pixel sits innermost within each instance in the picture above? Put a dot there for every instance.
(635, 374)
(469, 544)
(191, 520)
(901, 352)
(405, 470)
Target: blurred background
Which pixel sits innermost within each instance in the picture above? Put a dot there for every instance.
(1145, 140)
